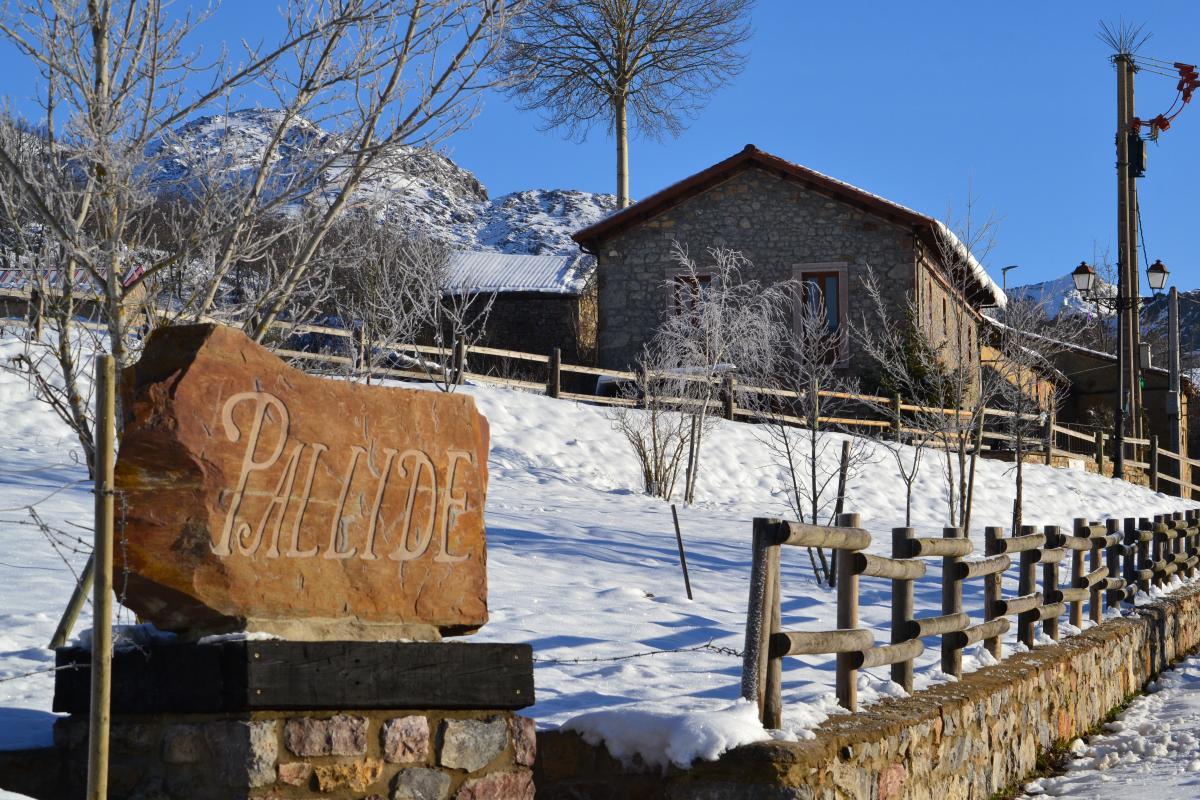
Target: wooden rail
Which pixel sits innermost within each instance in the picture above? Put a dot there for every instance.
(1111, 563)
(1055, 440)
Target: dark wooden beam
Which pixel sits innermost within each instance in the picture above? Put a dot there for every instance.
(175, 677)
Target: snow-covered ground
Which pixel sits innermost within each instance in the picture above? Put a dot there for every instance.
(582, 565)
(1151, 750)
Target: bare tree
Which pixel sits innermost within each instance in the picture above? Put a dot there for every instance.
(118, 78)
(1030, 386)
(60, 329)
(904, 359)
(651, 418)
(954, 363)
(808, 395)
(719, 324)
(583, 62)
(456, 321)
(390, 285)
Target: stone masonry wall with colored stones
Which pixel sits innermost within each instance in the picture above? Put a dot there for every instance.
(367, 755)
(966, 740)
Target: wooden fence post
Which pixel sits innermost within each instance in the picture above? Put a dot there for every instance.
(729, 397)
(1049, 438)
(1050, 579)
(896, 423)
(1027, 584)
(773, 691)
(1157, 548)
(1080, 531)
(838, 506)
(460, 360)
(1095, 609)
(554, 380)
(102, 599)
(1193, 538)
(1112, 560)
(358, 339)
(1100, 451)
(758, 616)
(1181, 544)
(951, 604)
(992, 588)
(902, 607)
(1153, 462)
(847, 618)
(1132, 554)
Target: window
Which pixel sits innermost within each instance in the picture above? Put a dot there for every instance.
(824, 287)
(687, 291)
(945, 319)
(825, 284)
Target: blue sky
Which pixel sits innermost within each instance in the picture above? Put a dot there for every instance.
(923, 103)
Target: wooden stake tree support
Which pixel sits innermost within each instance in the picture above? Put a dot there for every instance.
(99, 716)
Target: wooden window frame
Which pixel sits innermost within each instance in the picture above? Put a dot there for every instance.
(675, 282)
(840, 268)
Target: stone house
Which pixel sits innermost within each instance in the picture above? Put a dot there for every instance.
(537, 302)
(1089, 401)
(792, 223)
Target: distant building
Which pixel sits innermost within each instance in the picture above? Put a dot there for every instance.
(1093, 377)
(792, 223)
(538, 302)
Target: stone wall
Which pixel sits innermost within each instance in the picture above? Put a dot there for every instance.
(970, 739)
(364, 755)
(775, 222)
(537, 322)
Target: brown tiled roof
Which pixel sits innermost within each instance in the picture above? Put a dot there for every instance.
(749, 156)
(926, 227)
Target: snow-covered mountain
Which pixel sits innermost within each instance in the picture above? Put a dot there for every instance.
(1060, 295)
(419, 188)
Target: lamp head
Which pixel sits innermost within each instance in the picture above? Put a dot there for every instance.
(1084, 277)
(1156, 275)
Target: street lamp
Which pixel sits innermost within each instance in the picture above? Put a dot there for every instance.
(1156, 275)
(1084, 278)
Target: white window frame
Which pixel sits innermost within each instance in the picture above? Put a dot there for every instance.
(841, 268)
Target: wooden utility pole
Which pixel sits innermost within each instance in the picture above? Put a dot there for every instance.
(1133, 288)
(102, 600)
(1175, 441)
(1127, 414)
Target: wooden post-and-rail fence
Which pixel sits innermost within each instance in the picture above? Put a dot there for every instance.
(1166, 471)
(1125, 558)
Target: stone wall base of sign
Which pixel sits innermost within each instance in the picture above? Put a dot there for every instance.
(350, 755)
(971, 739)
(279, 720)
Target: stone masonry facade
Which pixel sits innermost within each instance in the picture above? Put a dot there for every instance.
(777, 223)
(355, 755)
(969, 740)
(782, 226)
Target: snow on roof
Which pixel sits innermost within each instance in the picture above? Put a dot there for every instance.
(479, 271)
(999, 299)
(23, 280)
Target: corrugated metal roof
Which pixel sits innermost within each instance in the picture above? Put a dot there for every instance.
(480, 271)
(22, 281)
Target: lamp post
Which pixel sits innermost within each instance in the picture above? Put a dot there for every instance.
(1084, 278)
(1004, 275)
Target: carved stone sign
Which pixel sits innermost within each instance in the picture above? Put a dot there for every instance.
(255, 497)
